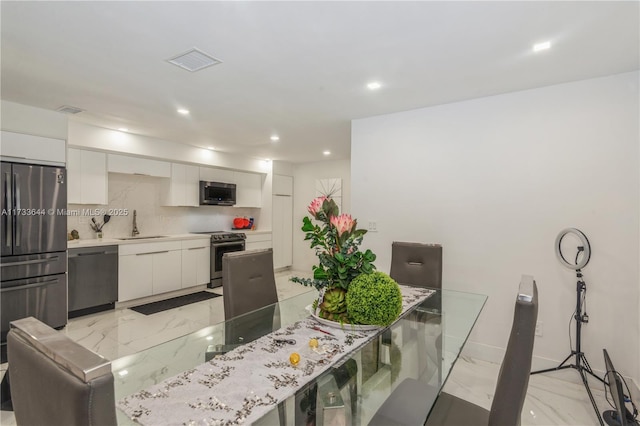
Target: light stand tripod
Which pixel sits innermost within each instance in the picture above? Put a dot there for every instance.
(581, 364)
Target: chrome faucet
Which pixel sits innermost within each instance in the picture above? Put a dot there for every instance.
(134, 231)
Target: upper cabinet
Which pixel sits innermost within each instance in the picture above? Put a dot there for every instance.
(209, 174)
(282, 185)
(138, 166)
(248, 189)
(87, 177)
(23, 148)
(183, 186)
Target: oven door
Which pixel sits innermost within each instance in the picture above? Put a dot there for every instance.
(218, 249)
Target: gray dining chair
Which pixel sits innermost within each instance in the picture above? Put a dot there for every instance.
(248, 281)
(416, 264)
(55, 381)
(406, 405)
(420, 265)
(248, 284)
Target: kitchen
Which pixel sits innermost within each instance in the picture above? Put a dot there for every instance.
(145, 186)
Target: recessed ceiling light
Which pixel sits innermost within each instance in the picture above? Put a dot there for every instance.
(123, 373)
(267, 160)
(326, 152)
(541, 46)
(374, 85)
(123, 129)
(183, 111)
(275, 138)
(210, 148)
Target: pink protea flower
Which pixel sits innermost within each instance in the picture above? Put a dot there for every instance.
(343, 223)
(316, 206)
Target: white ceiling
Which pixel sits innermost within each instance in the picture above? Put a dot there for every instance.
(296, 69)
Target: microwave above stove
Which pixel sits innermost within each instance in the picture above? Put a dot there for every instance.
(217, 193)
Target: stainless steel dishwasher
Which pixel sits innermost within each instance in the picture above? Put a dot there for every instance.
(93, 279)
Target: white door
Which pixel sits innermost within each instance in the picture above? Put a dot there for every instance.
(282, 231)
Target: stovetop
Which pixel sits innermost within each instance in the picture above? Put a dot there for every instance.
(224, 235)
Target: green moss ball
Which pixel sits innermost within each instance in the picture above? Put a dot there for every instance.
(374, 299)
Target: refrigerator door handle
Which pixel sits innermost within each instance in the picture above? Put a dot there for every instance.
(8, 217)
(16, 194)
(28, 286)
(29, 262)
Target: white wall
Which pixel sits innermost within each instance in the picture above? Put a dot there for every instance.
(304, 191)
(494, 180)
(32, 121)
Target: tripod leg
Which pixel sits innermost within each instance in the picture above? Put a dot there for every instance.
(588, 369)
(559, 367)
(593, 401)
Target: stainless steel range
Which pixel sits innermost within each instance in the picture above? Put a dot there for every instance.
(222, 242)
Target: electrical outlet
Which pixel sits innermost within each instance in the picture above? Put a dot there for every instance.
(373, 227)
(539, 328)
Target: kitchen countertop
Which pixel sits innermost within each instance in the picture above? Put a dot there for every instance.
(114, 241)
(250, 232)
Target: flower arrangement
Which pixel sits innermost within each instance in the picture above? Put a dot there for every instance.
(336, 242)
(375, 298)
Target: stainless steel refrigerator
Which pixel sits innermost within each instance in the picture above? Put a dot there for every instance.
(34, 245)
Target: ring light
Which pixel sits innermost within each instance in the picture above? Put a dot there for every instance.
(584, 247)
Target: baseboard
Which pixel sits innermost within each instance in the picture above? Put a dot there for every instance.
(163, 296)
(495, 354)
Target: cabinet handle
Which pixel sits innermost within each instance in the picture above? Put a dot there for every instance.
(153, 252)
(196, 248)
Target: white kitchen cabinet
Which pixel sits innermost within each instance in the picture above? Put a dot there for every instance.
(282, 231)
(87, 178)
(149, 268)
(135, 276)
(282, 185)
(257, 241)
(212, 174)
(182, 187)
(167, 271)
(138, 166)
(25, 148)
(248, 189)
(195, 262)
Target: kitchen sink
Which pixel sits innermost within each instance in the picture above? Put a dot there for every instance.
(142, 237)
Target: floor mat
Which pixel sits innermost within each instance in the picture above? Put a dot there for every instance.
(175, 302)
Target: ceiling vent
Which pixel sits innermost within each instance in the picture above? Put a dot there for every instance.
(67, 109)
(194, 60)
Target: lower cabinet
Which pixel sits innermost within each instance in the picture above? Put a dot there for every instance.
(149, 268)
(135, 277)
(167, 271)
(195, 262)
(257, 241)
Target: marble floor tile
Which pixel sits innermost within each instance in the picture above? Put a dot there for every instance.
(552, 399)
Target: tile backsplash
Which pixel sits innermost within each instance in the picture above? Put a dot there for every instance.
(144, 194)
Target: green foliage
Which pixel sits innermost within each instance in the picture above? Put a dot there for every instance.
(336, 241)
(374, 299)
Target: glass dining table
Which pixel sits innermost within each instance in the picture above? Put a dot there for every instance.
(424, 344)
